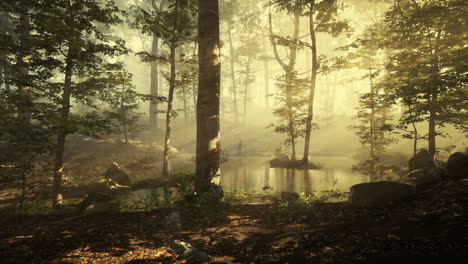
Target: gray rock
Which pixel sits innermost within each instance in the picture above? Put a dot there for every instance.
(457, 165)
(422, 160)
(289, 196)
(118, 175)
(173, 222)
(422, 178)
(374, 194)
(187, 251)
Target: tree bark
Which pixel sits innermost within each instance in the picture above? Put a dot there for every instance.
(434, 95)
(313, 79)
(154, 91)
(194, 85)
(170, 98)
(267, 84)
(372, 117)
(233, 74)
(24, 109)
(208, 127)
(246, 89)
(62, 134)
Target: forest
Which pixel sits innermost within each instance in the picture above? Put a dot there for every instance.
(233, 131)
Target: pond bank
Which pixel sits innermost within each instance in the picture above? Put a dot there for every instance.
(433, 223)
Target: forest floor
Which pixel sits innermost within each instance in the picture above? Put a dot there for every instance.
(431, 226)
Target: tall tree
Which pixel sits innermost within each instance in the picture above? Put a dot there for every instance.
(208, 128)
(77, 47)
(428, 67)
(153, 111)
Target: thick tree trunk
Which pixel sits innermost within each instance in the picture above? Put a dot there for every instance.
(313, 79)
(24, 109)
(208, 127)
(62, 134)
(233, 74)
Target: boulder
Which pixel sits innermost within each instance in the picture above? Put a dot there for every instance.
(421, 160)
(457, 165)
(422, 178)
(118, 175)
(374, 194)
(289, 196)
(187, 251)
(173, 222)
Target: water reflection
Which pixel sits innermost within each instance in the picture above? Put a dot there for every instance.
(253, 174)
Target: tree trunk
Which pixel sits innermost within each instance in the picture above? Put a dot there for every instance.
(415, 142)
(24, 109)
(267, 85)
(184, 101)
(246, 89)
(233, 74)
(434, 95)
(154, 91)
(62, 134)
(170, 98)
(313, 79)
(372, 118)
(208, 128)
(194, 85)
(288, 69)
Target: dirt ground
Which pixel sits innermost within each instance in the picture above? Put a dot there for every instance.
(432, 226)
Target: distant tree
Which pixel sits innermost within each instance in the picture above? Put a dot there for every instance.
(248, 51)
(287, 110)
(229, 10)
(323, 18)
(174, 26)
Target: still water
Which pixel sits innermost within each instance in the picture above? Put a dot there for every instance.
(254, 173)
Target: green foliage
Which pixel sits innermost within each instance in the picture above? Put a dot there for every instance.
(428, 68)
(291, 109)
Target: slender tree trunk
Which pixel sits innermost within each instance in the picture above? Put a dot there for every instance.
(208, 127)
(288, 69)
(313, 80)
(267, 84)
(194, 84)
(372, 118)
(153, 110)
(62, 134)
(432, 124)
(184, 101)
(233, 74)
(170, 98)
(434, 95)
(246, 88)
(24, 112)
(415, 140)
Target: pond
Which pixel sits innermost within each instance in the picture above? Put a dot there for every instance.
(254, 173)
